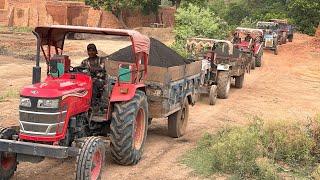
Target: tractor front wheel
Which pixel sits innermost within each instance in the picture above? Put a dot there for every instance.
(129, 127)
(213, 95)
(8, 161)
(223, 84)
(239, 81)
(177, 122)
(91, 159)
(258, 61)
(253, 63)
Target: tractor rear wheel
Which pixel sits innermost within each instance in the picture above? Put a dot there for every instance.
(177, 122)
(8, 161)
(258, 61)
(91, 159)
(239, 81)
(213, 95)
(223, 84)
(129, 127)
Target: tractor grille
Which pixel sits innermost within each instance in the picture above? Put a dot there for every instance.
(41, 122)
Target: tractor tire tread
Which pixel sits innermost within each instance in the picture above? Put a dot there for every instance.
(122, 125)
(222, 83)
(84, 158)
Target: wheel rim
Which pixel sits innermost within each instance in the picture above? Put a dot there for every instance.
(228, 86)
(139, 129)
(7, 161)
(96, 165)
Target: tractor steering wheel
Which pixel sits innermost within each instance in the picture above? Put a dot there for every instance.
(78, 69)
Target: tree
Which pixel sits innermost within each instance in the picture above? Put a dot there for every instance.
(193, 21)
(305, 14)
(177, 3)
(117, 7)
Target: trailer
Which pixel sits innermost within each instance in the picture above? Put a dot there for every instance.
(169, 91)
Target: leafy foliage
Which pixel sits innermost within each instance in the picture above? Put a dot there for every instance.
(117, 6)
(305, 14)
(194, 21)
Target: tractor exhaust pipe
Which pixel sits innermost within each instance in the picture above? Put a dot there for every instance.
(36, 71)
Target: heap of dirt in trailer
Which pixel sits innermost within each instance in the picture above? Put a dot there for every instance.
(160, 55)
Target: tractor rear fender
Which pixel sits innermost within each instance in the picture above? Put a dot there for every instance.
(125, 91)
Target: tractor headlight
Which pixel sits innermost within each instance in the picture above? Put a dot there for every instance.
(48, 103)
(25, 102)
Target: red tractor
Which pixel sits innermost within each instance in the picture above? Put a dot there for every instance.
(56, 115)
(250, 41)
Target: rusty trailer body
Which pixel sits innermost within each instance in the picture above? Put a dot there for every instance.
(167, 87)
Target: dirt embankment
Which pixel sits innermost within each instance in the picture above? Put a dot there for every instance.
(287, 86)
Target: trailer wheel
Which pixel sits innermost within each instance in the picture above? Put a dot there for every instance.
(239, 81)
(213, 95)
(253, 63)
(129, 129)
(177, 122)
(223, 84)
(258, 61)
(8, 161)
(91, 159)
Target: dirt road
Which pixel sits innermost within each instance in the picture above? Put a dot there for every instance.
(287, 86)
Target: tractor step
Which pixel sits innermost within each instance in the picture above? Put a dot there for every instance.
(98, 118)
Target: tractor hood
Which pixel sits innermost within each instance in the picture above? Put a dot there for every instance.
(58, 87)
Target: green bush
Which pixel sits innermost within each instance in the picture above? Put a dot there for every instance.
(194, 21)
(267, 169)
(259, 150)
(236, 152)
(288, 142)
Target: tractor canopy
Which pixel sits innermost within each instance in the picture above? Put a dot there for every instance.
(267, 25)
(254, 32)
(283, 21)
(55, 36)
(200, 44)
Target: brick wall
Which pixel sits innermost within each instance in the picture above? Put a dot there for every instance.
(2, 4)
(46, 12)
(136, 19)
(166, 16)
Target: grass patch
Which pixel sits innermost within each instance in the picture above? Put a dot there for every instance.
(17, 29)
(260, 150)
(10, 94)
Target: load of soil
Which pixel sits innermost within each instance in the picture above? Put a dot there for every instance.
(160, 55)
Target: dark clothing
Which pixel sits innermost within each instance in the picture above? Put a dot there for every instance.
(93, 64)
(96, 67)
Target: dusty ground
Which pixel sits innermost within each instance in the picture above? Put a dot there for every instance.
(286, 87)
